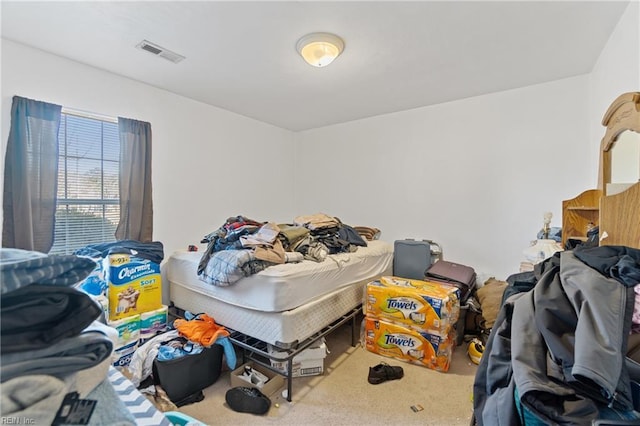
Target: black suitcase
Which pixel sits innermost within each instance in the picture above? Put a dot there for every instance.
(462, 276)
(411, 257)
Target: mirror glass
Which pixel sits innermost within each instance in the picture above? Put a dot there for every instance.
(625, 162)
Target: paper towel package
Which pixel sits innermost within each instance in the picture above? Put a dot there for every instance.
(423, 305)
(407, 344)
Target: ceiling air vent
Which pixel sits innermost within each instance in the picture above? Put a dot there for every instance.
(160, 51)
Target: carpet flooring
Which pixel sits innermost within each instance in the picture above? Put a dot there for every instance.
(342, 395)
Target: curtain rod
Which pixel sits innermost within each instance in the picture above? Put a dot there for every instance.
(86, 114)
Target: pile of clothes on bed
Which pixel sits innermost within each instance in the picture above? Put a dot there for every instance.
(243, 246)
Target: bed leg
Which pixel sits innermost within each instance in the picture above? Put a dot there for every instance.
(354, 333)
(289, 378)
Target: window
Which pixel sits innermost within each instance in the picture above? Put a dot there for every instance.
(88, 208)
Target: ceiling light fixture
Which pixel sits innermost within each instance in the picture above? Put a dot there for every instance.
(320, 49)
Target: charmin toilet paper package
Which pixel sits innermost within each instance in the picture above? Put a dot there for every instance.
(134, 285)
(128, 338)
(153, 323)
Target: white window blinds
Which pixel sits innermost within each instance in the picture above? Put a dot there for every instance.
(88, 208)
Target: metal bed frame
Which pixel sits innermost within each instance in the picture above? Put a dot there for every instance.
(256, 350)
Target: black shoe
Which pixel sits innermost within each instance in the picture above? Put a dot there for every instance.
(383, 372)
(247, 400)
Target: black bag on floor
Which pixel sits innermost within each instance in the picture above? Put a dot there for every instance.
(185, 376)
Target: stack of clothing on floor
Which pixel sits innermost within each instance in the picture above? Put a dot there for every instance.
(54, 351)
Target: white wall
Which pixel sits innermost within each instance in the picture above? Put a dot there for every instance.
(208, 163)
(617, 71)
(476, 175)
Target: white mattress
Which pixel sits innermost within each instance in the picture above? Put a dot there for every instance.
(282, 287)
(282, 329)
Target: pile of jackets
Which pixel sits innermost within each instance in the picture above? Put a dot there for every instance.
(557, 353)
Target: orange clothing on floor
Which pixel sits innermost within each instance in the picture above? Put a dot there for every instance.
(202, 329)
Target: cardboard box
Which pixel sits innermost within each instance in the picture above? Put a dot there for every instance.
(134, 285)
(307, 367)
(275, 382)
(424, 305)
(309, 362)
(408, 344)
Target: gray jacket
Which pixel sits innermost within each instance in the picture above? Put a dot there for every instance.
(561, 345)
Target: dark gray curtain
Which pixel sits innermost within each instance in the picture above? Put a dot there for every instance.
(136, 207)
(31, 175)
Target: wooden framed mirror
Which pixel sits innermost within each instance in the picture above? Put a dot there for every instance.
(620, 173)
(620, 146)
